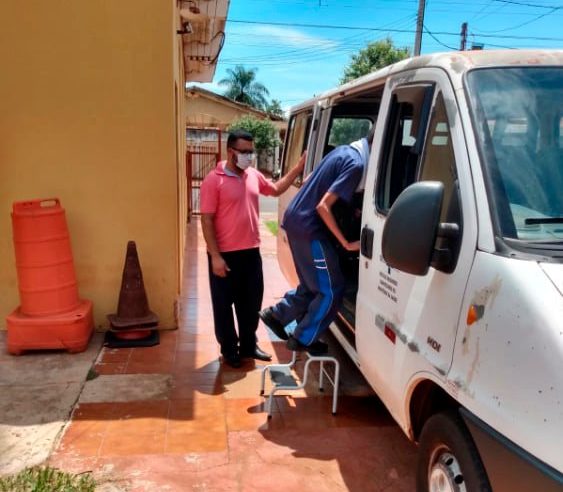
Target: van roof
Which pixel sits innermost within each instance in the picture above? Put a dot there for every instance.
(456, 63)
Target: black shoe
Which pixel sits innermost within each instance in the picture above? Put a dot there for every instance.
(232, 360)
(257, 353)
(315, 348)
(267, 316)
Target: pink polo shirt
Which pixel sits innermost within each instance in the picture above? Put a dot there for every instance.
(234, 202)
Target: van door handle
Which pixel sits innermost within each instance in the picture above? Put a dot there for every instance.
(366, 242)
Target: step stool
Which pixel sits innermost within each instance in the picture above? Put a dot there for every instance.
(282, 379)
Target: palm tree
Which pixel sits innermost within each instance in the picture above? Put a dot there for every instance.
(242, 87)
(274, 107)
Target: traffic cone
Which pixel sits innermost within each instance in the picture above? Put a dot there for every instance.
(133, 319)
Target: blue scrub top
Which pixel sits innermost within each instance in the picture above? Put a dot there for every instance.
(339, 172)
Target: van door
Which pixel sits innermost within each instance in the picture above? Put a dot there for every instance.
(406, 324)
(298, 138)
(313, 137)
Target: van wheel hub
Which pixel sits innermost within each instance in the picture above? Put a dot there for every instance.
(445, 474)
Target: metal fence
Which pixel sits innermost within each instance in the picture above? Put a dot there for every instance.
(202, 154)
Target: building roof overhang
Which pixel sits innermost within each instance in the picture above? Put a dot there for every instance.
(203, 35)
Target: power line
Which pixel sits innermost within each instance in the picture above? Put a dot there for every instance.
(522, 4)
(392, 4)
(437, 40)
(320, 26)
(327, 47)
(481, 15)
(524, 23)
(376, 29)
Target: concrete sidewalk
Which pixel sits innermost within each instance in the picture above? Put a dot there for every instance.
(172, 417)
(38, 392)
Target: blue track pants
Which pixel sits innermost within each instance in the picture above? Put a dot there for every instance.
(315, 301)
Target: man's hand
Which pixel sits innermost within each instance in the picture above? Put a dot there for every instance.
(285, 181)
(353, 246)
(219, 266)
(301, 162)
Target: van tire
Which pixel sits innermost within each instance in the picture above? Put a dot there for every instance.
(447, 454)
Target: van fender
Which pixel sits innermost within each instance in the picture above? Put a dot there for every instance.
(425, 395)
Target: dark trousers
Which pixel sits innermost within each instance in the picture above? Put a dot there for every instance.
(243, 287)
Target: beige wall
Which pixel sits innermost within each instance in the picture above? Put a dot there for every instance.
(87, 115)
(180, 122)
(202, 111)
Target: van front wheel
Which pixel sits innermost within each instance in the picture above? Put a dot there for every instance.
(448, 460)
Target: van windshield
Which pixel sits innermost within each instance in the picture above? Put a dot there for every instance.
(518, 116)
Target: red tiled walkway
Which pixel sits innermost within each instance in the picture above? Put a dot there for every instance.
(172, 417)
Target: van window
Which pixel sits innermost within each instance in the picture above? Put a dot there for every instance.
(346, 130)
(522, 152)
(403, 139)
(296, 141)
(438, 162)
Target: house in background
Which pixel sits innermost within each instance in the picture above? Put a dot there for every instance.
(92, 112)
(208, 115)
(205, 108)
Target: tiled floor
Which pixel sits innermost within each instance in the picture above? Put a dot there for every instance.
(172, 417)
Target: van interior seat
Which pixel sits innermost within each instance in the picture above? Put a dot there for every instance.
(349, 220)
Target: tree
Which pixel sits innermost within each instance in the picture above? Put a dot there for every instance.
(264, 132)
(274, 107)
(346, 130)
(374, 56)
(242, 87)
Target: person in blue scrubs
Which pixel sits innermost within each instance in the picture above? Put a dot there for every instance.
(309, 223)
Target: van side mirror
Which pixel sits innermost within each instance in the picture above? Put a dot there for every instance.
(411, 227)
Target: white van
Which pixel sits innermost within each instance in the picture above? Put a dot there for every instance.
(454, 307)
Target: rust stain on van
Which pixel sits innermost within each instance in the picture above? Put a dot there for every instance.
(458, 64)
(482, 299)
(474, 365)
(462, 386)
(489, 293)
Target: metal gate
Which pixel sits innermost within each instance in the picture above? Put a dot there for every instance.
(203, 152)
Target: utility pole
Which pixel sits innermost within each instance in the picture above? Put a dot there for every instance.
(419, 26)
(463, 35)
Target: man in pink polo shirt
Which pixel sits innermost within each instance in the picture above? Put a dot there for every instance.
(230, 223)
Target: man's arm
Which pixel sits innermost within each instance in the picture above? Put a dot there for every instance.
(324, 209)
(218, 265)
(285, 181)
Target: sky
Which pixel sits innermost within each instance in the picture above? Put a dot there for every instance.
(300, 48)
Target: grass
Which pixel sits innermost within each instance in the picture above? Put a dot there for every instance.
(272, 225)
(92, 374)
(47, 479)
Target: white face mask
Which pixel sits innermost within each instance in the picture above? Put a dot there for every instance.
(244, 160)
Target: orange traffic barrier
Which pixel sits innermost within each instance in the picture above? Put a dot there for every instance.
(51, 315)
(46, 277)
(70, 331)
